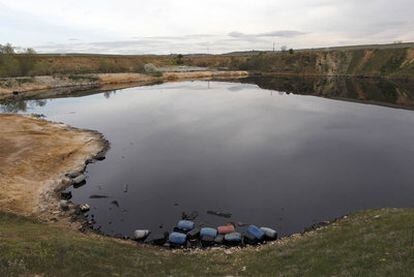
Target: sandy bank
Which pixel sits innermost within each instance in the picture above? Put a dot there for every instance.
(35, 155)
(30, 86)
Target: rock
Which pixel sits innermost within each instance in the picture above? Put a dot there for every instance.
(193, 215)
(159, 239)
(219, 239)
(141, 234)
(207, 241)
(64, 205)
(73, 174)
(193, 233)
(249, 238)
(66, 195)
(100, 156)
(84, 208)
(228, 252)
(79, 179)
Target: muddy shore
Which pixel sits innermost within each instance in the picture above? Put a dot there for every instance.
(35, 156)
(32, 86)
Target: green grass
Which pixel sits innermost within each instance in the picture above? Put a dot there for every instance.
(370, 243)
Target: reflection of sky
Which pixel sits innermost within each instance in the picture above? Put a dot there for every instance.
(258, 155)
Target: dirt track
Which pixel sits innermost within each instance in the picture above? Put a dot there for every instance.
(35, 155)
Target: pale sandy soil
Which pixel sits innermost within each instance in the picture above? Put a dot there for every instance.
(31, 86)
(35, 155)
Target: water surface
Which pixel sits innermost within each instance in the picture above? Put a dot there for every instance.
(265, 156)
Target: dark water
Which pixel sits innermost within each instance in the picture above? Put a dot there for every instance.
(267, 157)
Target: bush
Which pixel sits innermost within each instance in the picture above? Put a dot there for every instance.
(152, 70)
(13, 64)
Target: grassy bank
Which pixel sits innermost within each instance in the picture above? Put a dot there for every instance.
(369, 243)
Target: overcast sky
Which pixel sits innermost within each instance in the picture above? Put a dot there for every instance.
(194, 26)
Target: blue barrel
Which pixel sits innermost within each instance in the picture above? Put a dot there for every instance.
(177, 238)
(186, 225)
(208, 232)
(269, 233)
(256, 232)
(233, 237)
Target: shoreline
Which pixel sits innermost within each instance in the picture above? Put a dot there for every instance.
(48, 209)
(32, 86)
(35, 157)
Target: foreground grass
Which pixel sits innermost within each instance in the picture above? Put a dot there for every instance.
(369, 243)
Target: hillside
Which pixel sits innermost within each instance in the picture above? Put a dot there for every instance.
(369, 243)
(390, 61)
(367, 62)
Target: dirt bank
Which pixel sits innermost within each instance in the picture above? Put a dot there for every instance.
(30, 86)
(35, 155)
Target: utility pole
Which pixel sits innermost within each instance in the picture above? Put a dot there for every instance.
(273, 46)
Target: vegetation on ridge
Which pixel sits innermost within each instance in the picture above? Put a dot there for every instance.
(368, 243)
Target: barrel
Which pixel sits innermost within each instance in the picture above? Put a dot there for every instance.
(208, 232)
(177, 238)
(256, 232)
(227, 229)
(141, 234)
(233, 238)
(270, 234)
(186, 225)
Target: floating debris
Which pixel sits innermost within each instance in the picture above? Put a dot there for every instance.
(221, 214)
(97, 196)
(193, 215)
(115, 203)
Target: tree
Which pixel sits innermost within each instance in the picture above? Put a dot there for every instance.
(27, 61)
(179, 59)
(291, 51)
(283, 48)
(7, 49)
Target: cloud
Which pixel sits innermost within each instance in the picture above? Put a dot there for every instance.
(281, 33)
(194, 26)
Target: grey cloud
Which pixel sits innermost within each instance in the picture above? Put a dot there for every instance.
(280, 33)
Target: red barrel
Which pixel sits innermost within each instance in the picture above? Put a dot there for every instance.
(225, 229)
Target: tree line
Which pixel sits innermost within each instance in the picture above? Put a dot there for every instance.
(13, 63)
